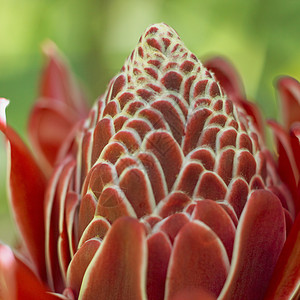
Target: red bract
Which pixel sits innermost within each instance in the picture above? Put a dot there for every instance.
(165, 191)
(288, 135)
(59, 107)
(286, 277)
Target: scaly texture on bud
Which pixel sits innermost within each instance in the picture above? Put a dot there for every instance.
(166, 120)
(166, 146)
(166, 191)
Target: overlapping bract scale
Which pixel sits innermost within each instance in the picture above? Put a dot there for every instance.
(166, 146)
(165, 103)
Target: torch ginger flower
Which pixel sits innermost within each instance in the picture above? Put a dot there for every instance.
(165, 191)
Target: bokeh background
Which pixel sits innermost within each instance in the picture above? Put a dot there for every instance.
(261, 38)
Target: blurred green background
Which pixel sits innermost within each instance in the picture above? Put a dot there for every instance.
(261, 38)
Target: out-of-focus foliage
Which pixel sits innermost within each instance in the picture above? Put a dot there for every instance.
(261, 38)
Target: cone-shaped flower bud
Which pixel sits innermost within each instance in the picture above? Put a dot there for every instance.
(169, 191)
(167, 146)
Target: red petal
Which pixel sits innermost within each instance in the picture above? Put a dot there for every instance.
(227, 76)
(172, 115)
(118, 85)
(155, 175)
(59, 107)
(286, 277)
(188, 177)
(113, 204)
(173, 203)
(86, 212)
(118, 269)
(198, 260)
(102, 174)
(173, 224)
(230, 81)
(72, 208)
(137, 188)
(98, 227)
(129, 138)
(217, 219)
(237, 195)
(140, 126)
(112, 151)
(253, 111)
(49, 125)
(194, 127)
(111, 109)
(295, 144)
(245, 165)
(132, 107)
(124, 163)
(57, 82)
(259, 239)
(209, 137)
(167, 151)
(205, 156)
(159, 251)
(287, 167)
(18, 281)
(57, 258)
(289, 92)
(27, 197)
(227, 138)
(85, 149)
(103, 131)
(154, 117)
(230, 211)
(211, 186)
(79, 264)
(225, 164)
(172, 81)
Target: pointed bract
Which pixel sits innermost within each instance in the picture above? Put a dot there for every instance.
(26, 196)
(59, 107)
(259, 240)
(18, 281)
(285, 281)
(289, 94)
(118, 269)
